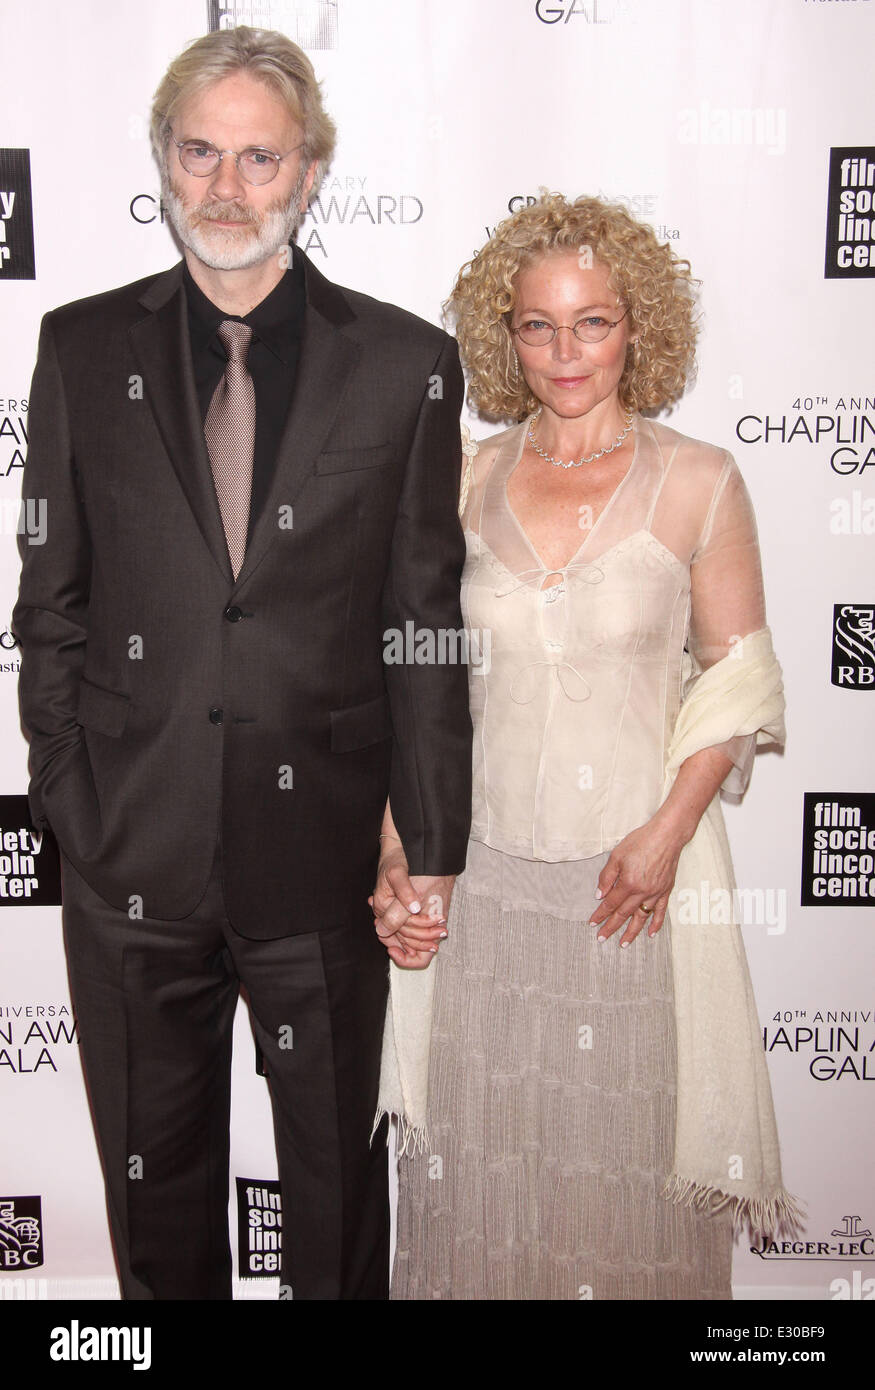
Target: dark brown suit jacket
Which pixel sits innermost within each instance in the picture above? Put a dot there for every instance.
(165, 703)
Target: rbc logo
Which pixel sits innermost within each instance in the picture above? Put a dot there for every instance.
(21, 1245)
(853, 646)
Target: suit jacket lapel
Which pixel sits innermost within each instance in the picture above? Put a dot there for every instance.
(163, 351)
(162, 348)
(326, 361)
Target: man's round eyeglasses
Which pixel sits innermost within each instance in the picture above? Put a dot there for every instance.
(591, 329)
(254, 164)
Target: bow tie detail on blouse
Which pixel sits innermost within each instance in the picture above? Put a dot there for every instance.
(524, 686)
(589, 573)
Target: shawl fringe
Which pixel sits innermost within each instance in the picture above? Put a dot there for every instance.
(409, 1139)
(766, 1217)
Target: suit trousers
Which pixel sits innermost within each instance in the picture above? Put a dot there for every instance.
(155, 1002)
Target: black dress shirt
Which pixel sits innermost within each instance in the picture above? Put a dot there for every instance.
(277, 325)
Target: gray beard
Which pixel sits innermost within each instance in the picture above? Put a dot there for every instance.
(222, 248)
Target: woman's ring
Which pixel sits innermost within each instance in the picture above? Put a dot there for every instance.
(645, 909)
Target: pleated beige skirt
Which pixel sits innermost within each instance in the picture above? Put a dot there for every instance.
(551, 1106)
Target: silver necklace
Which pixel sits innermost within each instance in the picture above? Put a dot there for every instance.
(575, 463)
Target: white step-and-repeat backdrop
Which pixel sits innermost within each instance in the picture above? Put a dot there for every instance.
(743, 133)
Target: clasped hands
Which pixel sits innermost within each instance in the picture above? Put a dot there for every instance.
(410, 913)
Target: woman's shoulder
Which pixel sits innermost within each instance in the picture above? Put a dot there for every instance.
(482, 453)
(493, 442)
(687, 459)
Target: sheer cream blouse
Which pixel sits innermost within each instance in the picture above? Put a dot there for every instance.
(575, 688)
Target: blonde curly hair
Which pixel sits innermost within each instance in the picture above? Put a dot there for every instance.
(655, 284)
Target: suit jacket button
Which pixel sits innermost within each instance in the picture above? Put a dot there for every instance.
(216, 716)
(234, 614)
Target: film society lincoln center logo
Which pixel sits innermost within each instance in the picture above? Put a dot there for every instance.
(838, 849)
(259, 1228)
(16, 217)
(30, 870)
(850, 217)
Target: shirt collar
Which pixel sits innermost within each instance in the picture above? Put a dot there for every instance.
(276, 321)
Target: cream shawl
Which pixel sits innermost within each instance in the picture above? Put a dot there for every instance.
(726, 1142)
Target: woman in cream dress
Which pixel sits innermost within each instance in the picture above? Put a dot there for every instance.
(610, 561)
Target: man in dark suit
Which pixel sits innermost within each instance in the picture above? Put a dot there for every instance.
(250, 474)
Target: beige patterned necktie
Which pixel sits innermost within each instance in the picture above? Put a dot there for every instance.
(229, 430)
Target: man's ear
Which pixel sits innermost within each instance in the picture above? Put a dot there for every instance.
(308, 184)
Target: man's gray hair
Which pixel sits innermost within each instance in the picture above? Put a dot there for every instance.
(266, 55)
